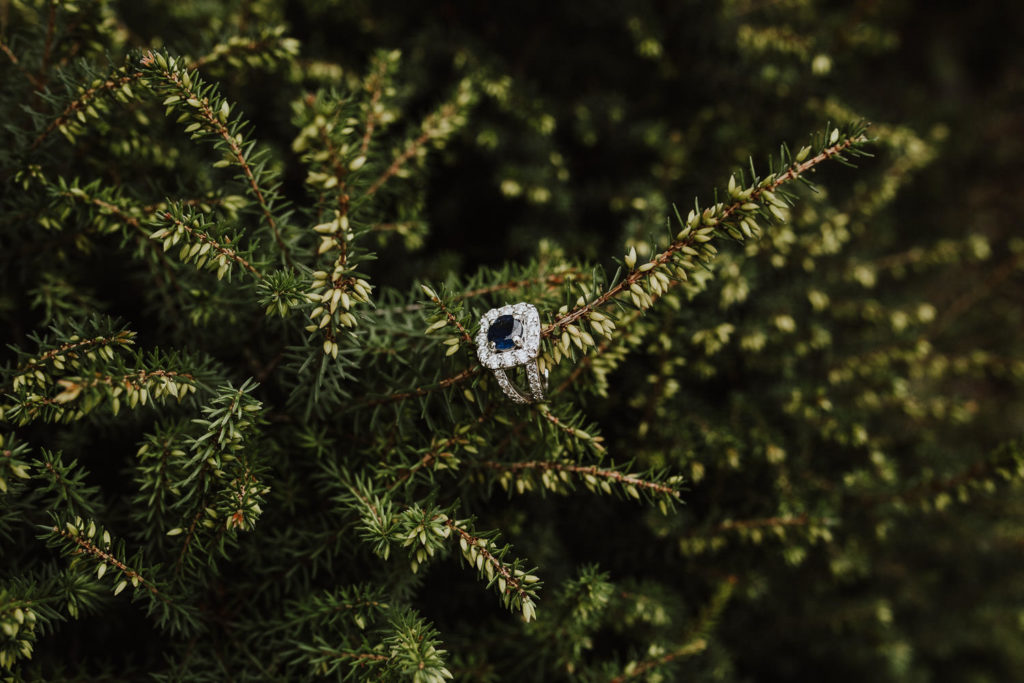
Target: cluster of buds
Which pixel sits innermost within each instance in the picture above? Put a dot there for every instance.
(427, 531)
(580, 334)
(196, 234)
(517, 588)
(18, 625)
(334, 233)
(243, 497)
(335, 292)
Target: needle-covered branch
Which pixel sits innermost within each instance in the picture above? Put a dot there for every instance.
(691, 249)
(209, 116)
(87, 366)
(85, 541)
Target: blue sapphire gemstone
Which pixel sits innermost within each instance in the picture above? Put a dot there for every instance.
(503, 331)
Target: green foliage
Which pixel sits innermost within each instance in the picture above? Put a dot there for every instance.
(244, 252)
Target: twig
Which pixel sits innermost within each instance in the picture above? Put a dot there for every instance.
(90, 548)
(665, 256)
(82, 102)
(592, 470)
(422, 391)
(235, 147)
(513, 583)
(36, 83)
(397, 164)
(214, 244)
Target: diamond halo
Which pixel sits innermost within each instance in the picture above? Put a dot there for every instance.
(527, 315)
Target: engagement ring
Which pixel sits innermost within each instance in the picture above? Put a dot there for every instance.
(509, 337)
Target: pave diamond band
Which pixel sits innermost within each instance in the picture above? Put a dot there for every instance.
(509, 337)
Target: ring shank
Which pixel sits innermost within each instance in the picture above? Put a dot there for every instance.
(537, 383)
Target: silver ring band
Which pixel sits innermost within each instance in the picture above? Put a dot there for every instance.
(537, 381)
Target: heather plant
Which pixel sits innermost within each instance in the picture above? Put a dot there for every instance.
(245, 252)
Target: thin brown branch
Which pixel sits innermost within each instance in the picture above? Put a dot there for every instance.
(89, 548)
(665, 256)
(398, 162)
(568, 429)
(32, 78)
(214, 244)
(422, 391)
(213, 121)
(83, 101)
(583, 470)
(69, 347)
(513, 583)
(693, 647)
(134, 380)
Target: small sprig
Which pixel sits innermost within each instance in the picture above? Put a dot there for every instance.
(77, 395)
(112, 213)
(12, 464)
(360, 604)
(571, 430)
(209, 116)
(442, 454)
(423, 531)
(514, 581)
(691, 247)
(18, 625)
(696, 641)
(63, 485)
(444, 317)
(338, 291)
(160, 459)
(282, 291)
(379, 519)
(85, 540)
(411, 652)
(413, 648)
(90, 102)
(26, 613)
(218, 481)
(266, 49)
(561, 477)
(566, 628)
(435, 130)
(66, 354)
(205, 243)
(74, 375)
